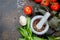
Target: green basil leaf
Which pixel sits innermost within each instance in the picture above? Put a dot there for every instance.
(23, 32)
(57, 38)
(51, 38)
(37, 38)
(21, 39)
(28, 26)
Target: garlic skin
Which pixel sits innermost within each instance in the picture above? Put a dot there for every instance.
(22, 20)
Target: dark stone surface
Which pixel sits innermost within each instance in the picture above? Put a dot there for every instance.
(8, 20)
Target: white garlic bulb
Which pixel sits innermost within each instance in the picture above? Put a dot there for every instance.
(22, 20)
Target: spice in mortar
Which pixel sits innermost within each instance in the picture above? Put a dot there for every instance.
(35, 27)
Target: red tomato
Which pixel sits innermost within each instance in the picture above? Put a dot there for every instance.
(53, 0)
(45, 3)
(37, 1)
(55, 6)
(28, 10)
(59, 6)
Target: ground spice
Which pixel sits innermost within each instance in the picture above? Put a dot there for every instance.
(35, 23)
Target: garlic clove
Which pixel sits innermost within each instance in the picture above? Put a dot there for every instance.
(22, 20)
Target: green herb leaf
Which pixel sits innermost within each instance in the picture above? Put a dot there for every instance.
(54, 12)
(23, 32)
(37, 38)
(28, 26)
(57, 38)
(51, 38)
(21, 39)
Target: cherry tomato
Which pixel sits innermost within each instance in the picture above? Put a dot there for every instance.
(45, 3)
(28, 10)
(59, 5)
(55, 6)
(53, 0)
(37, 1)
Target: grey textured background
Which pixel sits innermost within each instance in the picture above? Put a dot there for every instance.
(8, 20)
